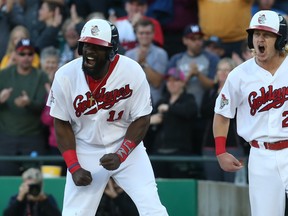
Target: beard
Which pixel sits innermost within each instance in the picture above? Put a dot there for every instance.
(94, 71)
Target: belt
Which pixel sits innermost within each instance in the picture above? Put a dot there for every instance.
(271, 146)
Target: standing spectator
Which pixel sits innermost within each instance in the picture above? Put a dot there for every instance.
(31, 200)
(136, 10)
(11, 15)
(85, 7)
(173, 119)
(50, 64)
(212, 170)
(234, 16)
(30, 13)
(51, 14)
(153, 59)
(70, 41)
(50, 57)
(199, 67)
(214, 45)
(92, 96)
(22, 98)
(181, 14)
(18, 32)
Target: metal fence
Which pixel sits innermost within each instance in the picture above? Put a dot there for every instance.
(42, 159)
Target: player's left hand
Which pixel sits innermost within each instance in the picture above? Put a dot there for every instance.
(110, 161)
(229, 163)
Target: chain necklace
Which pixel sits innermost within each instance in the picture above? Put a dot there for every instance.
(95, 85)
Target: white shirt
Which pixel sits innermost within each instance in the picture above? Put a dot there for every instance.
(260, 99)
(124, 96)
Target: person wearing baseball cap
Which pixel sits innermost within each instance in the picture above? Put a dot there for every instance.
(176, 74)
(175, 108)
(199, 67)
(22, 97)
(214, 45)
(25, 44)
(191, 30)
(17, 33)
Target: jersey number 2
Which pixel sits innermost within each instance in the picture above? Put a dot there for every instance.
(285, 120)
(112, 116)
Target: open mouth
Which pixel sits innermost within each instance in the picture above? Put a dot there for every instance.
(261, 49)
(89, 61)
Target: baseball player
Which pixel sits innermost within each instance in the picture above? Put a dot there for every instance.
(101, 105)
(258, 89)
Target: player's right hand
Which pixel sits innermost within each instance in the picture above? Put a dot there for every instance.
(229, 163)
(82, 177)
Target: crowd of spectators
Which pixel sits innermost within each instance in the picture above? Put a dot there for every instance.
(179, 45)
(186, 48)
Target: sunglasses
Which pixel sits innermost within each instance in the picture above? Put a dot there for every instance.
(25, 53)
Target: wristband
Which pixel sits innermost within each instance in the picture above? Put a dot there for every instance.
(125, 149)
(220, 145)
(71, 160)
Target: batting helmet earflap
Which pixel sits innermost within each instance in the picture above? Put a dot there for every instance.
(100, 32)
(270, 21)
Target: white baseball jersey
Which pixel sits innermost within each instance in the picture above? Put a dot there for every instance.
(260, 100)
(123, 96)
(99, 125)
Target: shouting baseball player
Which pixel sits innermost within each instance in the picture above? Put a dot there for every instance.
(101, 105)
(258, 89)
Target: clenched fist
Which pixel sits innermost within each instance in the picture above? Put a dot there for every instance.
(110, 161)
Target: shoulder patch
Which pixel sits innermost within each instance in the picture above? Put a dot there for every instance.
(224, 101)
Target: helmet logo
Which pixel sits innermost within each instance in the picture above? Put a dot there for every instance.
(261, 19)
(94, 30)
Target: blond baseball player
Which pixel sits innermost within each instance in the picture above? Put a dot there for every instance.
(101, 105)
(258, 90)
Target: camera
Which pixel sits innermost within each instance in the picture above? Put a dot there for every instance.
(34, 189)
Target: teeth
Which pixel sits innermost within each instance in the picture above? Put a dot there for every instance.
(90, 58)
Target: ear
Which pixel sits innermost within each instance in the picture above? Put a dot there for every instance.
(184, 40)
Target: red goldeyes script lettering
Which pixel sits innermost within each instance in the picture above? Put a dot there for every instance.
(105, 100)
(275, 99)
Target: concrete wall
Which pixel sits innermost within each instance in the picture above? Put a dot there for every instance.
(222, 199)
